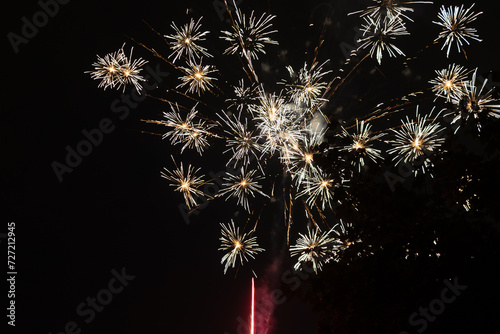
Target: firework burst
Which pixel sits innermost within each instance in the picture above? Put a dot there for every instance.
(185, 182)
(454, 21)
(116, 70)
(449, 82)
(196, 77)
(389, 8)
(249, 37)
(309, 84)
(242, 186)
(380, 34)
(185, 41)
(416, 140)
(476, 103)
(314, 247)
(361, 144)
(237, 246)
(321, 186)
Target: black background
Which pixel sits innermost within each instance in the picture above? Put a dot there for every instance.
(113, 210)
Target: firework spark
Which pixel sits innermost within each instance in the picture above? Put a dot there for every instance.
(389, 8)
(454, 21)
(309, 84)
(186, 131)
(417, 140)
(380, 34)
(186, 182)
(241, 142)
(449, 82)
(315, 247)
(361, 144)
(196, 77)
(237, 246)
(320, 185)
(241, 186)
(116, 70)
(475, 103)
(185, 41)
(249, 37)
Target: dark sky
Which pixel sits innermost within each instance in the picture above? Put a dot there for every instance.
(113, 211)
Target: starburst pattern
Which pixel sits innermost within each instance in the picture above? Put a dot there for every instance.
(249, 37)
(361, 144)
(185, 182)
(390, 8)
(185, 40)
(116, 70)
(309, 84)
(476, 103)
(242, 186)
(321, 186)
(379, 35)
(185, 130)
(237, 246)
(449, 83)
(454, 21)
(417, 140)
(314, 247)
(196, 77)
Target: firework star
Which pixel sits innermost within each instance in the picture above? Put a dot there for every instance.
(185, 40)
(314, 247)
(454, 21)
(416, 140)
(237, 246)
(449, 83)
(241, 186)
(360, 145)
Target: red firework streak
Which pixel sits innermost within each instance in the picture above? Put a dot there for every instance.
(252, 313)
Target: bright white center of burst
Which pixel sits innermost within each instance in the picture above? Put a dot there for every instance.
(126, 73)
(325, 183)
(357, 145)
(416, 143)
(187, 40)
(111, 69)
(448, 84)
(308, 158)
(198, 75)
(184, 185)
(237, 244)
(243, 183)
(309, 89)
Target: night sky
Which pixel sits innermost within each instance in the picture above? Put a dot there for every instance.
(114, 216)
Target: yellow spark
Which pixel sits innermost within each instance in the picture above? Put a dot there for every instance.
(308, 158)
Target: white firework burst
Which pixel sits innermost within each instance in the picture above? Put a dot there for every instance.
(454, 21)
(300, 159)
(361, 144)
(185, 182)
(237, 246)
(242, 186)
(196, 77)
(380, 34)
(314, 247)
(476, 103)
(244, 96)
(248, 37)
(185, 40)
(449, 83)
(321, 186)
(241, 141)
(389, 8)
(186, 131)
(309, 84)
(417, 140)
(116, 70)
